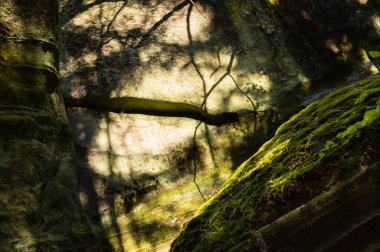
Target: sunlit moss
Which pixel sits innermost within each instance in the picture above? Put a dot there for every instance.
(363, 96)
(328, 141)
(370, 117)
(157, 219)
(273, 2)
(270, 154)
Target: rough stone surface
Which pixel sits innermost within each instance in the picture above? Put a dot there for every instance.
(39, 204)
(137, 171)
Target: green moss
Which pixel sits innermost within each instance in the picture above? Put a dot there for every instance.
(370, 117)
(323, 144)
(29, 53)
(234, 9)
(13, 120)
(366, 93)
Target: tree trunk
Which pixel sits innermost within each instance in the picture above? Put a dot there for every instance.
(39, 204)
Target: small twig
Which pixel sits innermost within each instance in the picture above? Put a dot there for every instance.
(227, 73)
(244, 93)
(192, 2)
(250, 100)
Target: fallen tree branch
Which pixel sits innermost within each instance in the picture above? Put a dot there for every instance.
(133, 105)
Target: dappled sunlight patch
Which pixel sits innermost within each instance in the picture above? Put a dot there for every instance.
(149, 52)
(166, 50)
(85, 19)
(362, 2)
(279, 183)
(100, 163)
(174, 84)
(157, 219)
(305, 82)
(102, 141)
(7, 10)
(88, 58)
(200, 27)
(122, 167)
(331, 44)
(97, 15)
(371, 116)
(112, 47)
(26, 240)
(274, 2)
(271, 154)
(143, 199)
(145, 134)
(181, 83)
(256, 85)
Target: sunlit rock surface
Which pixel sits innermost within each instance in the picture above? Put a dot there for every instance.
(137, 171)
(313, 187)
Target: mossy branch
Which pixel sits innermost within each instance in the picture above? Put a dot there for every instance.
(133, 105)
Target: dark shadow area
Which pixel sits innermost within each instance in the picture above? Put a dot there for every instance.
(363, 238)
(324, 35)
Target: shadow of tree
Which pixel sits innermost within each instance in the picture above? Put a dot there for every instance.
(107, 54)
(114, 195)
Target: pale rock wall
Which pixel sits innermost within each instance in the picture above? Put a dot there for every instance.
(137, 171)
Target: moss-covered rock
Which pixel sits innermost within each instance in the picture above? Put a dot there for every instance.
(39, 203)
(312, 186)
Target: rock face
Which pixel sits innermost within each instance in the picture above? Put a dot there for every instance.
(329, 32)
(142, 176)
(312, 187)
(39, 204)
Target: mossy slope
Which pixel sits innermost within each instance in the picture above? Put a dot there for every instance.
(328, 142)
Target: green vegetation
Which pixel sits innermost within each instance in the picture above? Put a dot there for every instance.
(234, 9)
(374, 54)
(329, 141)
